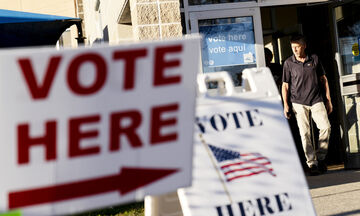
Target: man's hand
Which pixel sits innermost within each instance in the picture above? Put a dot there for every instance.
(287, 111)
(329, 107)
(328, 104)
(285, 95)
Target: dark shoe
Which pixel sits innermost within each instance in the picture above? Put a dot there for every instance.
(322, 166)
(314, 170)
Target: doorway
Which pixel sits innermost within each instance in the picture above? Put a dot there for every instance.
(279, 23)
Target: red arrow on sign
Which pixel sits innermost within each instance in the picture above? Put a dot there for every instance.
(126, 181)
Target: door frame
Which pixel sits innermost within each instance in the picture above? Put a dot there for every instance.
(351, 160)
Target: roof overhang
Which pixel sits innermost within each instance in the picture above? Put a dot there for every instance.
(31, 29)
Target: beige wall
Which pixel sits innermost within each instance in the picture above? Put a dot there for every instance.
(91, 22)
(52, 7)
(151, 19)
(105, 21)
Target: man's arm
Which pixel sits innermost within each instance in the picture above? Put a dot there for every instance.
(325, 85)
(285, 95)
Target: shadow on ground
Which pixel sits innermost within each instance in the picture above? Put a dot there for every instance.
(337, 176)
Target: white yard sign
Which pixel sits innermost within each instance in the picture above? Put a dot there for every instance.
(245, 160)
(93, 127)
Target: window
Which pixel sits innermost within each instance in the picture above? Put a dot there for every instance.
(228, 45)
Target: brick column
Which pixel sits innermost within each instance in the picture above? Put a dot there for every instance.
(155, 19)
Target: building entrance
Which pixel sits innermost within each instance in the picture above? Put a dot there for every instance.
(279, 23)
(246, 29)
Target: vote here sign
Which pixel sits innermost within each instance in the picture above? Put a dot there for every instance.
(245, 160)
(92, 127)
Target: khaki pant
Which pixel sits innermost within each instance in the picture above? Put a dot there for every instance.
(319, 115)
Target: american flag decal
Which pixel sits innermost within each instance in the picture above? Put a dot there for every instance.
(235, 165)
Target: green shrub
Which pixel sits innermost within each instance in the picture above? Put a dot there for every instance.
(132, 209)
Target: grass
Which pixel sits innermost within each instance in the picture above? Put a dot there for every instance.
(132, 209)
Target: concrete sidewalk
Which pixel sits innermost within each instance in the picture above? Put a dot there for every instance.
(337, 192)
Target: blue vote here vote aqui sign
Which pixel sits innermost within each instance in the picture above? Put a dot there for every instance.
(228, 44)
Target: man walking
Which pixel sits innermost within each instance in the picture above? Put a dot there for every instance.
(304, 83)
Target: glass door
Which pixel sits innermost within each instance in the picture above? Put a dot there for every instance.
(232, 40)
(347, 25)
(348, 32)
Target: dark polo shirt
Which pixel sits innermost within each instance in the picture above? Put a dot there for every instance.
(303, 79)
